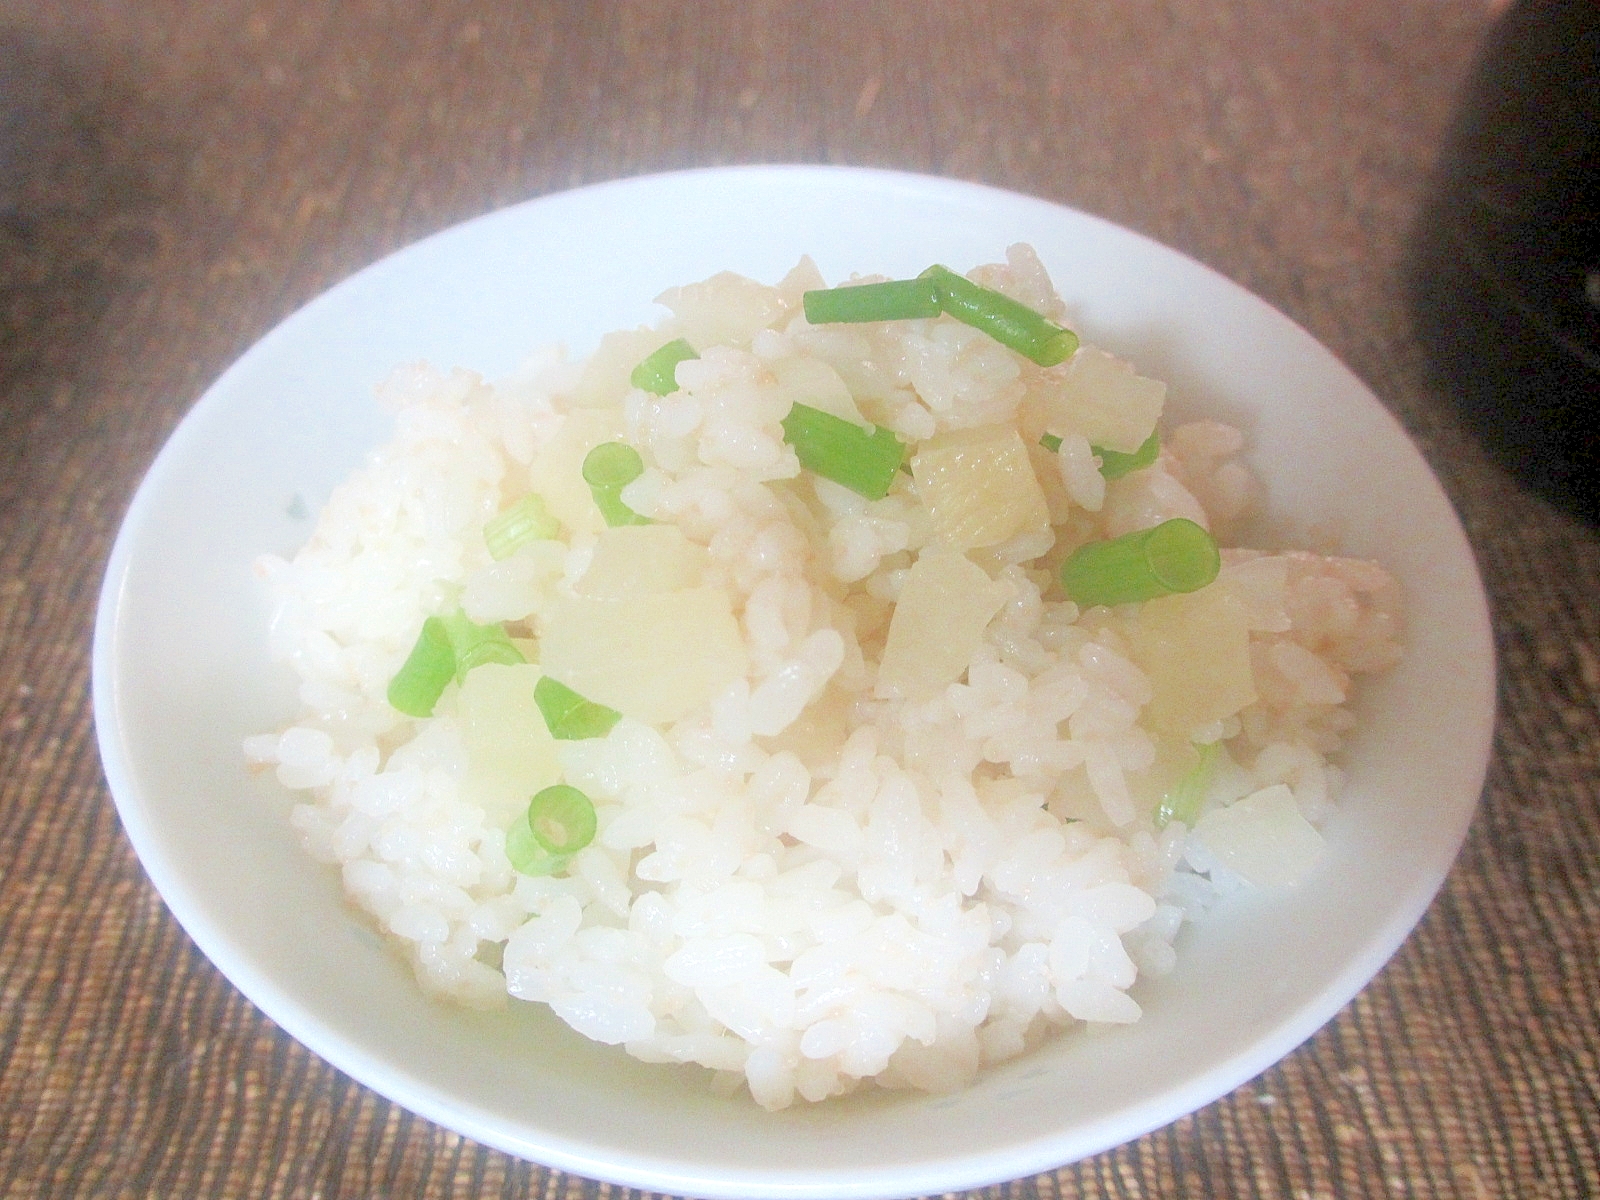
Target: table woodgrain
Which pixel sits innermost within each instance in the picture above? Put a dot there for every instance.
(177, 176)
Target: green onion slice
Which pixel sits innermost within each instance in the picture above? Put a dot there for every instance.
(447, 648)
(1174, 556)
(431, 665)
(1182, 803)
(1007, 321)
(607, 469)
(528, 520)
(559, 822)
(940, 290)
(1114, 464)
(527, 855)
(562, 819)
(569, 716)
(658, 371)
(897, 300)
(865, 460)
(474, 645)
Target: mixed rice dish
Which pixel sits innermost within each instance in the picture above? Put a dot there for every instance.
(824, 685)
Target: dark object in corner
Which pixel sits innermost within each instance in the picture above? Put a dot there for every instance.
(1505, 262)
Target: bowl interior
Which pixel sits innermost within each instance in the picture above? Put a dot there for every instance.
(182, 675)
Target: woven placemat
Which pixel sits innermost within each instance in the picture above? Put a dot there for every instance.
(176, 177)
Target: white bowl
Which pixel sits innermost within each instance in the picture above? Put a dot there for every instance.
(182, 675)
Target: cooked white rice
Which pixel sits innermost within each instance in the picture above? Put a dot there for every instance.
(810, 878)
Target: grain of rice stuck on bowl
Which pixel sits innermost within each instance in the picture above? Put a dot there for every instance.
(873, 798)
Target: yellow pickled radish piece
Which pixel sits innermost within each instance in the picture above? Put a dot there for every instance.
(1195, 649)
(979, 487)
(945, 604)
(1263, 837)
(653, 657)
(725, 310)
(510, 753)
(641, 560)
(1101, 397)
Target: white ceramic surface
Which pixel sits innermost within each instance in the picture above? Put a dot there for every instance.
(181, 675)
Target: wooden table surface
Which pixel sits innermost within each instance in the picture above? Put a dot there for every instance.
(177, 176)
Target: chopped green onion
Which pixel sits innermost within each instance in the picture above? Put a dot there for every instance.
(559, 822)
(897, 300)
(569, 716)
(527, 855)
(607, 469)
(612, 465)
(447, 648)
(658, 372)
(1114, 464)
(474, 645)
(1174, 556)
(528, 520)
(1182, 803)
(940, 290)
(562, 818)
(429, 667)
(865, 460)
(1007, 321)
